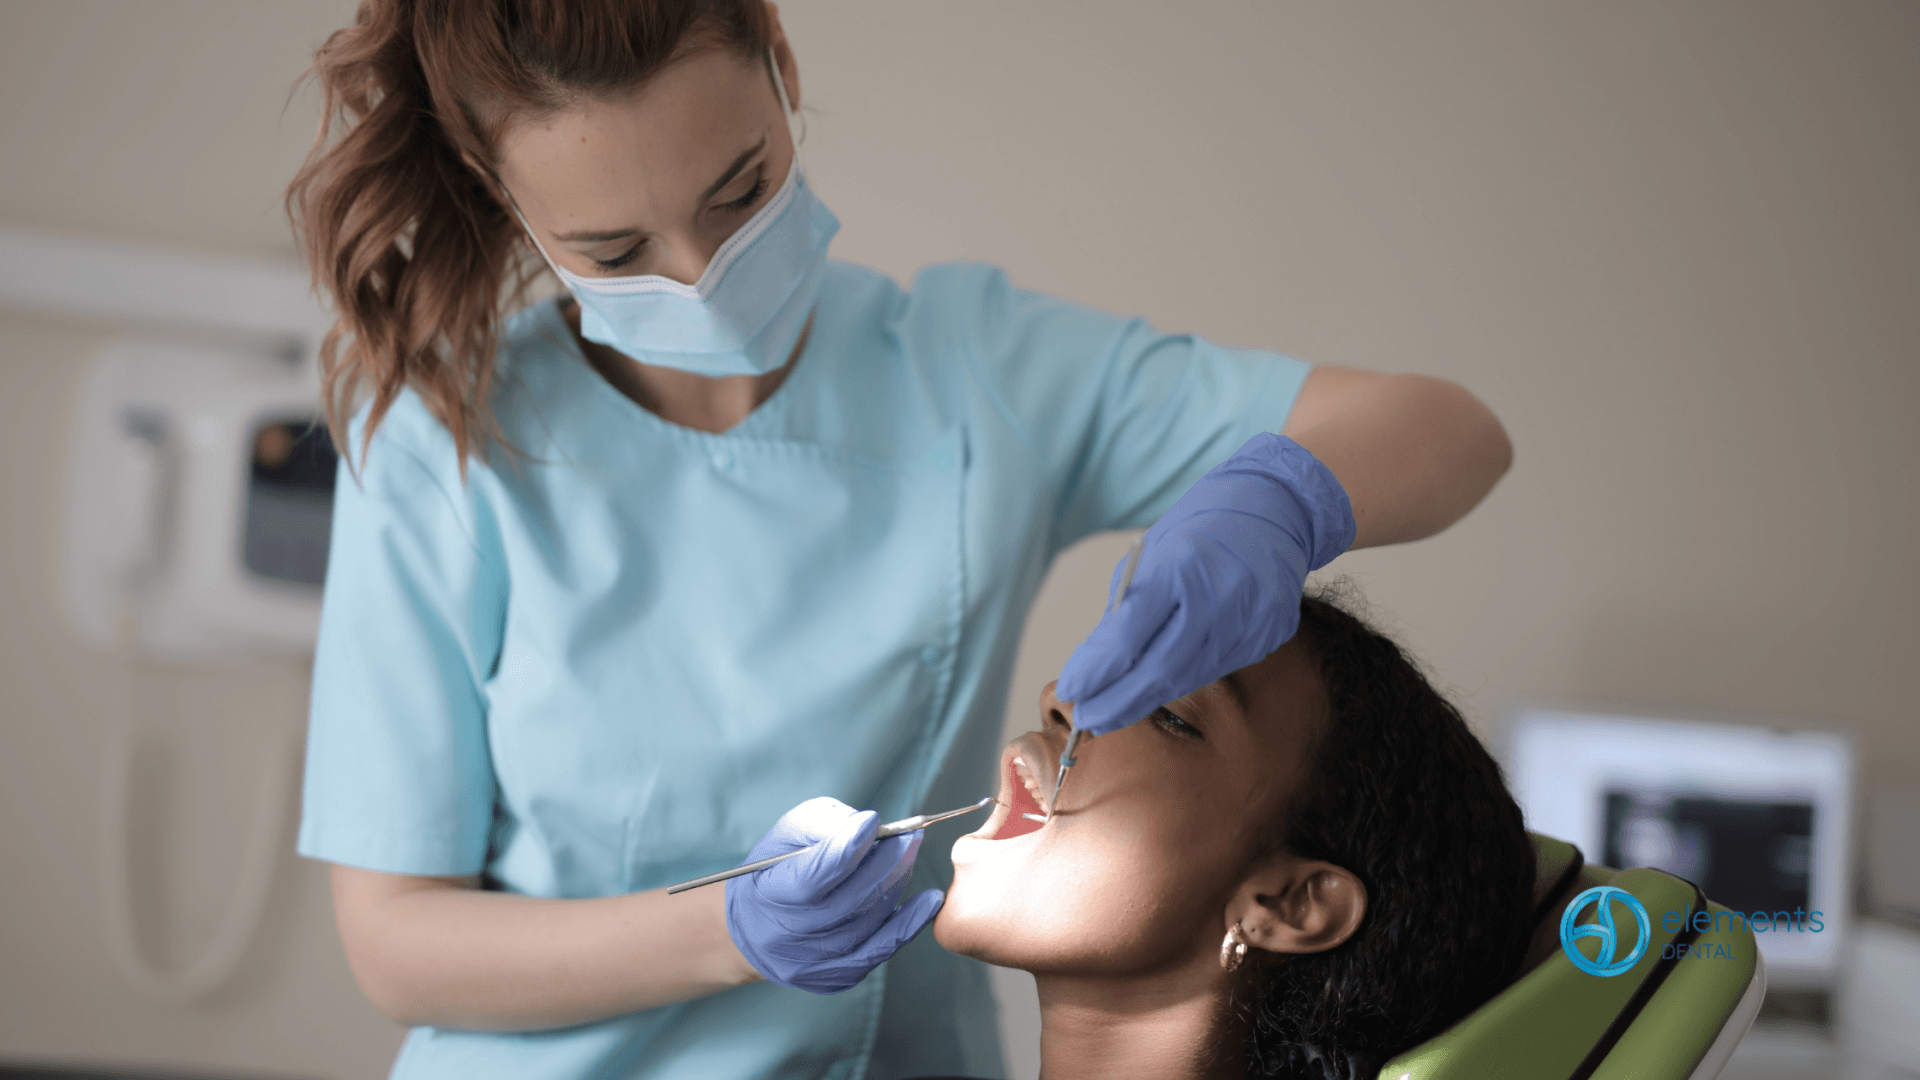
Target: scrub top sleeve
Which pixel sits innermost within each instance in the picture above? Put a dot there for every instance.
(1122, 417)
(398, 774)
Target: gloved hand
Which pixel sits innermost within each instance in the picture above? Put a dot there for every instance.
(821, 921)
(1218, 584)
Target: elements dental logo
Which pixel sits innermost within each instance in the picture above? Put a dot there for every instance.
(1603, 962)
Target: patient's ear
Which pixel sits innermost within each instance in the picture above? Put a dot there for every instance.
(1293, 905)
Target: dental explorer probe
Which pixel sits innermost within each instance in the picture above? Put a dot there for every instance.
(1073, 737)
(892, 828)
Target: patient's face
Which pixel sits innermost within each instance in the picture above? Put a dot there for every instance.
(1156, 828)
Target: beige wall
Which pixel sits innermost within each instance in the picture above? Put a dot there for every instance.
(1676, 248)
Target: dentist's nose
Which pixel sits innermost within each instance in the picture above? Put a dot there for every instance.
(686, 260)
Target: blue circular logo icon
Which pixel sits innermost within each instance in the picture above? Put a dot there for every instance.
(1603, 962)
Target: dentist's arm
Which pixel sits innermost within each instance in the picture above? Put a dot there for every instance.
(1364, 459)
(1414, 453)
(444, 952)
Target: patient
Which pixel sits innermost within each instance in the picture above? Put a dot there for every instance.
(1325, 807)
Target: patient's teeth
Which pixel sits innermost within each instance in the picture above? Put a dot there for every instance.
(1025, 773)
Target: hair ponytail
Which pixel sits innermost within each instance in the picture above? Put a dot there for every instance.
(417, 251)
(402, 234)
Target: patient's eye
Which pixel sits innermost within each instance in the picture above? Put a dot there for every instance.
(1174, 725)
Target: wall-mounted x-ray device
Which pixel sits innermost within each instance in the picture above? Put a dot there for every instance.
(198, 500)
(198, 492)
(199, 497)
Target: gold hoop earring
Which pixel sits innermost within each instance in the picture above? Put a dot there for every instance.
(1233, 948)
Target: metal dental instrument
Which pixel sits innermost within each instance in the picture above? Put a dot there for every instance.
(892, 828)
(1073, 738)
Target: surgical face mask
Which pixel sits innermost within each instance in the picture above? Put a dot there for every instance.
(747, 311)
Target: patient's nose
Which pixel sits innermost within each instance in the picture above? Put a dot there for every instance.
(1056, 716)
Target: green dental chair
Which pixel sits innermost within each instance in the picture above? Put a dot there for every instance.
(1676, 1014)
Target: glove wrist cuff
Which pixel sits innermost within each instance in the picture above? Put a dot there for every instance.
(1329, 513)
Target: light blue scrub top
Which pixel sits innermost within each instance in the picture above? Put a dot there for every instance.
(610, 661)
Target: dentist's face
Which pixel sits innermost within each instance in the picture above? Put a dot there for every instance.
(654, 181)
(1157, 826)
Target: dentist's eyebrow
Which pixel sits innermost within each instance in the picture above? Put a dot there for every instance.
(594, 237)
(733, 170)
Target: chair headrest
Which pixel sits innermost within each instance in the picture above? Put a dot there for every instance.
(1662, 1012)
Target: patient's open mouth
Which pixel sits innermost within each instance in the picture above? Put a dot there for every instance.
(1025, 799)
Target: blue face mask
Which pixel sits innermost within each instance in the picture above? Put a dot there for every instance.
(747, 311)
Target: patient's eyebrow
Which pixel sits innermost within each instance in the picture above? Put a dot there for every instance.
(1231, 680)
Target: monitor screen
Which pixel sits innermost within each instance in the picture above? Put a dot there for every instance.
(1758, 817)
(289, 509)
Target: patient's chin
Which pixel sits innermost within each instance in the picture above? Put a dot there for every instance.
(963, 929)
(954, 934)
(971, 924)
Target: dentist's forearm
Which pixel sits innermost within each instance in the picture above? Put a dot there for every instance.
(1413, 453)
(439, 951)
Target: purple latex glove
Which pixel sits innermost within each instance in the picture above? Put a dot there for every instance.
(1218, 584)
(819, 922)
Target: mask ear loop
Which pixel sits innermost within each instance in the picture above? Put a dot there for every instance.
(526, 227)
(527, 230)
(786, 108)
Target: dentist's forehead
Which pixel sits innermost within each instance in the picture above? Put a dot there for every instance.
(677, 131)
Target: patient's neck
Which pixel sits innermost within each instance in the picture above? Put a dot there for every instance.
(1170, 1026)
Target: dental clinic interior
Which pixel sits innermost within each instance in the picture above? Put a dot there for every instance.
(1509, 407)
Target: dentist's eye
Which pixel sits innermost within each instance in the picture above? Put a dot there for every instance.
(619, 261)
(751, 197)
(1174, 725)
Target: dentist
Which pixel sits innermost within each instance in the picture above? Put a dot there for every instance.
(731, 534)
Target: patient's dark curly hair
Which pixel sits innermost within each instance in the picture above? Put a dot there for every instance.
(1402, 794)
